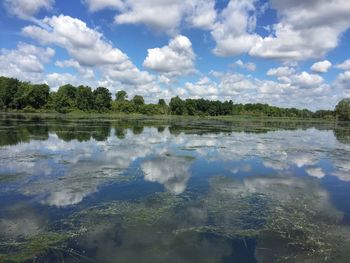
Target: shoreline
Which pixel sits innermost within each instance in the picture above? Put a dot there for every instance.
(136, 116)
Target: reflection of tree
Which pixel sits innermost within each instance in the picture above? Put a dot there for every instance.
(342, 135)
(137, 129)
(161, 128)
(120, 132)
(22, 128)
(10, 137)
(101, 132)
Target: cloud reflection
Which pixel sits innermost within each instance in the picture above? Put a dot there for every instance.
(172, 172)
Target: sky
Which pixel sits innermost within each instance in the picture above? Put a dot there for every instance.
(290, 53)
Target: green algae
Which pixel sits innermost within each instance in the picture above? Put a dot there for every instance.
(33, 248)
(229, 210)
(297, 221)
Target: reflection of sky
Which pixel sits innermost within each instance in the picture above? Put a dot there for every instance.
(280, 188)
(20, 220)
(172, 172)
(62, 173)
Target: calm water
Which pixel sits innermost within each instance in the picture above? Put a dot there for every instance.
(173, 191)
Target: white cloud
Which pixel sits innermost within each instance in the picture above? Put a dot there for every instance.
(89, 51)
(85, 72)
(55, 80)
(291, 90)
(306, 80)
(97, 5)
(127, 73)
(159, 15)
(342, 85)
(321, 66)
(233, 30)
(204, 87)
(203, 14)
(26, 62)
(26, 9)
(174, 59)
(84, 44)
(281, 71)
(248, 66)
(344, 77)
(345, 65)
(307, 29)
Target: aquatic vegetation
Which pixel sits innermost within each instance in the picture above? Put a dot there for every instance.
(49, 245)
(233, 192)
(231, 212)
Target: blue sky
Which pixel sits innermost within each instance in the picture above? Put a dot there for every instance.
(290, 53)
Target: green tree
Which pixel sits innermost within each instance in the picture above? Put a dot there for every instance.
(121, 95)
(64, 99)
(123, 106)
(177, 106)
(161, 102)
(103, 99)
(38, 95)
(8, 89)
(84, 98)
(138, 100)
(164, 109)
(342, 110)
(191, 106)
(20, 99)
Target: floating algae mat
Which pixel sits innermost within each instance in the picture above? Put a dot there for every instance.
(171, 192)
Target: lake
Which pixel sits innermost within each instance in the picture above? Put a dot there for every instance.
(176, 190)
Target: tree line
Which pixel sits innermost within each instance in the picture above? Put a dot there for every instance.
(24, 96)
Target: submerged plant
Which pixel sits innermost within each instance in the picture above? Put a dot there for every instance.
(273, 216)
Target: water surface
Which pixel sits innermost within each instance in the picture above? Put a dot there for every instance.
(181, 190)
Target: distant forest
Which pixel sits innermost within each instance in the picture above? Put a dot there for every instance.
(27, 97)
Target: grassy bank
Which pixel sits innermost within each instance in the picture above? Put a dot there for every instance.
(135, 116)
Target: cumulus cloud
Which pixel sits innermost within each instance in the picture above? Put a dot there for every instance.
(89, 50)
(248, 66)
(159, 15)
(204, 87)
(166, 16)
(55, 80)
(174, 59)
(291, 89)
(307, 29)
(203, 14)
(344, 77)
(233, 32)
(26, 9)
(342, 85)
(345, 65)
(307, 80)
(26, 62)
(85, 72)
(84, 44)
(280, 71)
(321, 66)
(97, 5)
